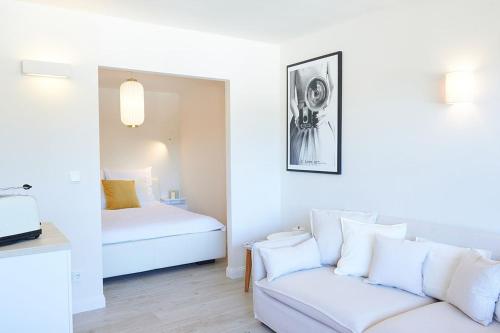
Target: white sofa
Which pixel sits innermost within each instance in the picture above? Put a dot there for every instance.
(319, 301)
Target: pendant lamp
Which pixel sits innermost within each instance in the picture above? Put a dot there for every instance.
(132, 103)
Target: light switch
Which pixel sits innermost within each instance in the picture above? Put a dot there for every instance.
(74, 176)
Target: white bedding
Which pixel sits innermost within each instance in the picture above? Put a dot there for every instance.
(153, 220)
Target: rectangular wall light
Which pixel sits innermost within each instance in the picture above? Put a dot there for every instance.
(47, 69)
(460, 87)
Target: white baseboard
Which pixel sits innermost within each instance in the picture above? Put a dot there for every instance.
(89, 303)
(235, 272)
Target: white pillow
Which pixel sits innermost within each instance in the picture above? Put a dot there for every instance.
(440, 265)
(143, 182)
(398, 263)
(285, 260)
(358, 244)
(325, 227)
(475, 287)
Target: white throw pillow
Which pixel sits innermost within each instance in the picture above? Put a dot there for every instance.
(440, 265)
(143, 181)
(326, 228)
(398, 263)
(290, 259)
(358, 245)
(475, 287)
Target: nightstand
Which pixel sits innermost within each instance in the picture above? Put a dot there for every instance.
(179, 203)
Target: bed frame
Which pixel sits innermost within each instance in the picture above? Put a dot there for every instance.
(144, 255)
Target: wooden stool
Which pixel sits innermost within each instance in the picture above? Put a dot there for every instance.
(248, 266)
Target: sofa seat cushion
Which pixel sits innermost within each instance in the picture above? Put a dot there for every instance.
(436, 317)
(344, 303)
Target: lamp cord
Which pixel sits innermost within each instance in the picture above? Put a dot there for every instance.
(23, 187)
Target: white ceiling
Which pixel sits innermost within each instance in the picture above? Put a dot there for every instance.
(265, 20)
(113, 78)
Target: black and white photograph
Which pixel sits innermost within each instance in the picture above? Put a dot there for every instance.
(314, 114)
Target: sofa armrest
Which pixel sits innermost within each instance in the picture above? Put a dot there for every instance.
(258, 268)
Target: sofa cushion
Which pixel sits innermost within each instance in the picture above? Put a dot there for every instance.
(357, 249)
(440, 266)
(436, 317)
(344, 303)
(325, 227)
(475, 287)
(398, 263)
(291, 259)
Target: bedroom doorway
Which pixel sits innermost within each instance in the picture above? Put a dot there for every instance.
(182, 142)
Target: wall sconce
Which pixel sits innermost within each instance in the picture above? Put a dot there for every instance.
(46, 69)
(460, 87)
(132, 103)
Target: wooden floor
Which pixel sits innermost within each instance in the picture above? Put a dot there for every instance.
(191, 298)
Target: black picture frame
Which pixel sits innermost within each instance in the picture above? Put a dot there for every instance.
(337, 132)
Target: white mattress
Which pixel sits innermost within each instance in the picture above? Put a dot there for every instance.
(154, 220)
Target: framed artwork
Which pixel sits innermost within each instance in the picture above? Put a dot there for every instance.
(314, 114)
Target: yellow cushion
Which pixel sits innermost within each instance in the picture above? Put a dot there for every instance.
(120, 194)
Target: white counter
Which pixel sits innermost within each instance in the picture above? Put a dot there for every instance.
(51, 239)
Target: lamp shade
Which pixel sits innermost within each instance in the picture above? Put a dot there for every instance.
(459, 87)
(132, 103)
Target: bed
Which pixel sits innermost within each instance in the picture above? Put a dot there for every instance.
(157, 236)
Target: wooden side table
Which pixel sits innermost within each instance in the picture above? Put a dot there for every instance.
(248, 265)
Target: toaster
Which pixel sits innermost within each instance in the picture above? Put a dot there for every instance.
(19, 218)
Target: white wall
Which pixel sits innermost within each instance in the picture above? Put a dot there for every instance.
(154, 144)
(50, 126)
(405, 152)
(203, 147)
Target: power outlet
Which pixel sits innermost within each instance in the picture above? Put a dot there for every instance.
(75, 276)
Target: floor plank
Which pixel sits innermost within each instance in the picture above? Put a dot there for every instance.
(185, 299)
